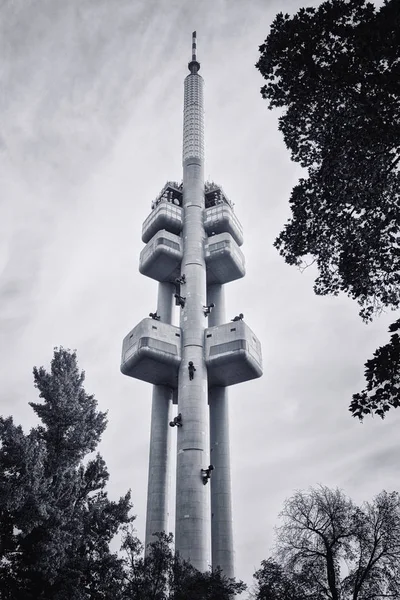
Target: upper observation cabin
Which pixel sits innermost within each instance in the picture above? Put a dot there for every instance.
(224, 259)
(219, 216)
(233, 354)
(152, 352)
(166, 212)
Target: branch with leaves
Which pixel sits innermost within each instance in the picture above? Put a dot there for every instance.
(334, 70)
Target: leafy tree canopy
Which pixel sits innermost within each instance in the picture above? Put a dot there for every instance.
(161, 575)
(275, 582)
(334, 70)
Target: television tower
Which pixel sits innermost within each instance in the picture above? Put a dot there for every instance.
(192, 238)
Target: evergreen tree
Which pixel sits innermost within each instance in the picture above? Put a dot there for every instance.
(334, 70)
(56, 521)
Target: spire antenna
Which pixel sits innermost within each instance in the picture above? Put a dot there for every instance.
(194, 66)
(194, 45)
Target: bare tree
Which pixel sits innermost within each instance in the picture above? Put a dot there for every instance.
(374, 571)
(316, 533)
(323, 531)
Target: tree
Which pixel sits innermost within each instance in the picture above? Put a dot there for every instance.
(382, 373)
(147, 578)
(56, 521)
(211, 585)
(275, 582)
(322, 531)
(335, 72)
(162, 576)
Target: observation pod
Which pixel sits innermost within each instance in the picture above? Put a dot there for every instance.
(222, 219)
(164, 216)
(152, 352)
(160, 259)
(233, 354)
(224, 259)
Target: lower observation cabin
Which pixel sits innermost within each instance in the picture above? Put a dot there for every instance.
(151, 352)
(233, 354)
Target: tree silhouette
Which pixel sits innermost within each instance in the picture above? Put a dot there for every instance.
(56, 521)
(335, 72)
(322, 531)
(161, 575)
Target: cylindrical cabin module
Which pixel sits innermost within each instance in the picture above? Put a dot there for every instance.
(192, 531)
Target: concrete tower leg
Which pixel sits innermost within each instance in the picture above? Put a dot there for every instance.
(221, 494)
(192, 532)
(160, 437)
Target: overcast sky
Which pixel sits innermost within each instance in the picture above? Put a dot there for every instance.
(91, 129)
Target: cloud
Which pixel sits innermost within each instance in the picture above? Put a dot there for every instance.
(92, 116)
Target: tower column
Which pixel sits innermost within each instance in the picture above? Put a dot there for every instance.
(192, 531)
(221, 493)
(160, 437)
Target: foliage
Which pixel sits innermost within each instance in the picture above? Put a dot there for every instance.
(275, 582)
(323, 530)
(334, 70)
(147, 577)
(160, 575)
(382, 373)
(56, 521)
